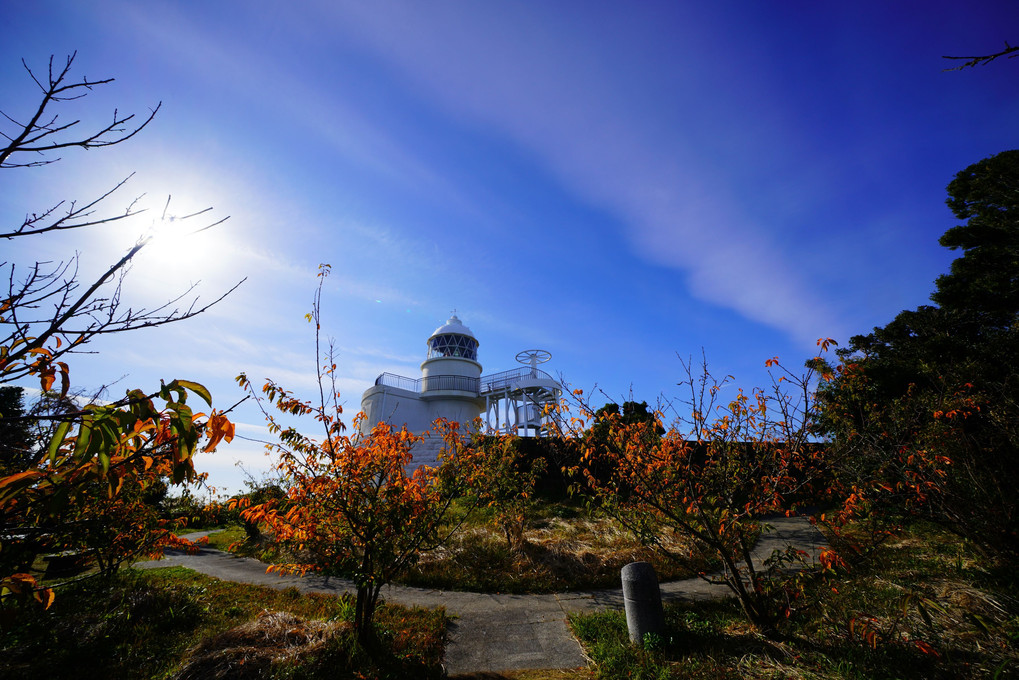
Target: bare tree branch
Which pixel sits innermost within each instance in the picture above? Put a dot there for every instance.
(41, 135)
(985, 59)
(46, 311)
(40, 223)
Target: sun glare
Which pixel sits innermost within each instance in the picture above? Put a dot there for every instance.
(185, 242)
(181, 241)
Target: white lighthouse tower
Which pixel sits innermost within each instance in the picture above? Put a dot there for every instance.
(451, 386)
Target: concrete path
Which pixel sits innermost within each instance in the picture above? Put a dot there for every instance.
(493, 632)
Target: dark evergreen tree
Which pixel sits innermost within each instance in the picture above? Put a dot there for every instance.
(15, 431)
(961, 352)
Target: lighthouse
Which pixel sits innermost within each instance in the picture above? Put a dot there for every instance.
(451, 386)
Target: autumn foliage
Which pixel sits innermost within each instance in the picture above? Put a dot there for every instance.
(353, 507)
(353, 503)
(508, 484)
(725, 466)
(86, 490)
(901, 455)
(931, 396)
(715, 475)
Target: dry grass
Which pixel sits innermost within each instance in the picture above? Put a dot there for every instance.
(251, 649)
(564, 548)
(172, 622)
(558, 554)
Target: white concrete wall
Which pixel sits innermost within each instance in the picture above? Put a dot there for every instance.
(461, 410)
(450, 366)
(400, 407)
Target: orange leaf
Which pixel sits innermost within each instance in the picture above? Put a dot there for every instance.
(31, 474)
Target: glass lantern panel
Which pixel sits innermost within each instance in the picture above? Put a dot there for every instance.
(453, 346)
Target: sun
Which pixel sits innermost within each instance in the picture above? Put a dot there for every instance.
(182, 247)
(187, 247)
(179, 241)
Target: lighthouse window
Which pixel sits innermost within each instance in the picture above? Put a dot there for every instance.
(453, 346)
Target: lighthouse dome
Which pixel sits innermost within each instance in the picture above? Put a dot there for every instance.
(453, 325)
(453, 339)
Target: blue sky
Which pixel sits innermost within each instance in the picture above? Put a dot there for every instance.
(613, 182)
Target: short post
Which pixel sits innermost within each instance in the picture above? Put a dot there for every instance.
(642, 601)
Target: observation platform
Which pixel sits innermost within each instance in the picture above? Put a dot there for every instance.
(514, 400)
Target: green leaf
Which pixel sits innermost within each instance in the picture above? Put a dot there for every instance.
(58, 438)
(81, 444)
(108, 434)
(198, 389)
(923, 612)
(981, 622)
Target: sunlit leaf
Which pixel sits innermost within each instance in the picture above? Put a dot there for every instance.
(197, 388)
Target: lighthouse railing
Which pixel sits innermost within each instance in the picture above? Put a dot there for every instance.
(499, 381)
(462, 383)
(432, 383)
(458, 383)
(399, 382)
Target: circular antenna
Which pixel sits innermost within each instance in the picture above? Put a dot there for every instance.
(533, 357)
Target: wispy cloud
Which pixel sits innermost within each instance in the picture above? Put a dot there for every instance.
(547, 85)
(311, 105)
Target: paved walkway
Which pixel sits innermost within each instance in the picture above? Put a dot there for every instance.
(493, 632)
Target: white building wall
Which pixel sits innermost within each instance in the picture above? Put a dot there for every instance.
(398, 407)
(450, 366)
(417, 412)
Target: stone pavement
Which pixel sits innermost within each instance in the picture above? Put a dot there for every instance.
(494, 632)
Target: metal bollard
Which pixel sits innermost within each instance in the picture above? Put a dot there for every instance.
(642, 601)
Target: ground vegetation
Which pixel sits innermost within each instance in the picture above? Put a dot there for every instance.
(173, 623)
(923, 605)
(713, 477)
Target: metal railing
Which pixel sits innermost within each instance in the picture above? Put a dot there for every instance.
(498, 381)
(399, 382)
(462, 383)
(432, 383)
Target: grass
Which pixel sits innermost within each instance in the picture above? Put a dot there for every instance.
(935, 611)
(228, 536)
(921, 606)
(234, 539)
(567, 548)
(173, 623)
(559, 555)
